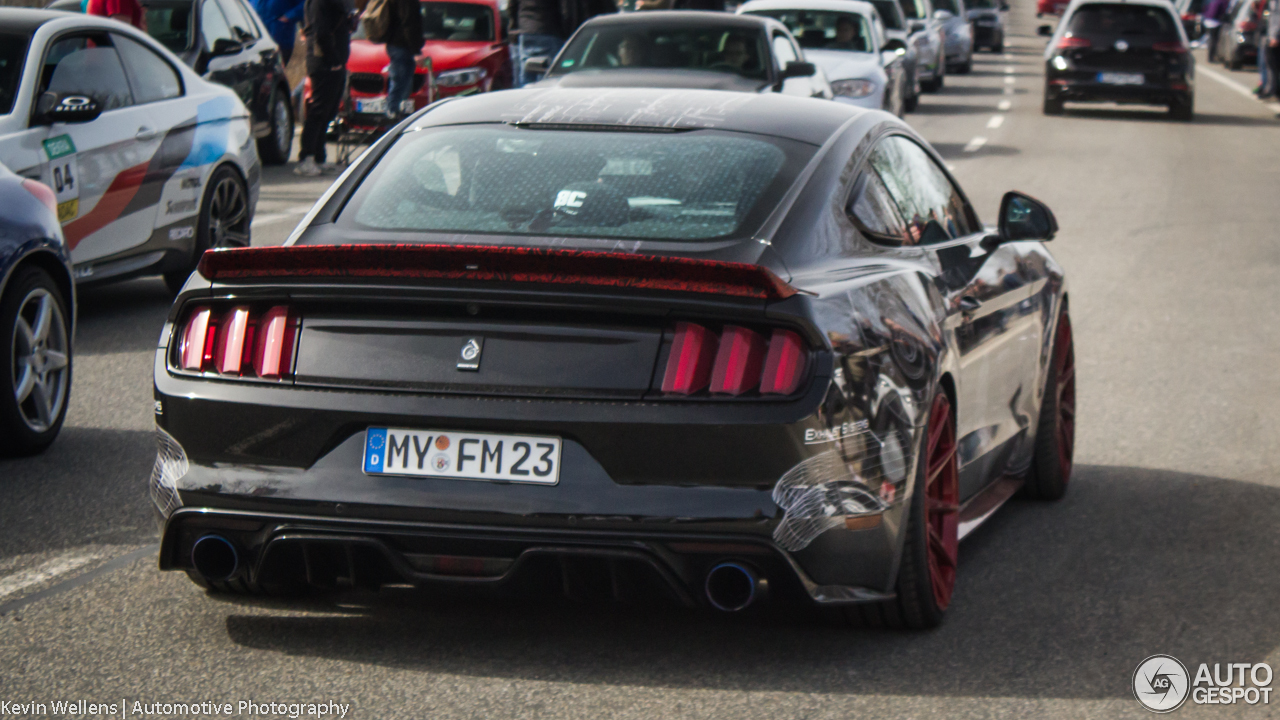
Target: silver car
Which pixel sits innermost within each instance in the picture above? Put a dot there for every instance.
(957, 33)
(926, 38)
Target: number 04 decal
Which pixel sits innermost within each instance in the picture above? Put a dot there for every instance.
(64, 176)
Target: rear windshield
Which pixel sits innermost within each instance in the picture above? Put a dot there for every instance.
(170, 24)
(460, 22)
(13, 51)
(1116, 20)
(913, 9)
(691, 46)
(889, 13)
(502, 180)
(822, 30)
(950, 6)
(981, 4)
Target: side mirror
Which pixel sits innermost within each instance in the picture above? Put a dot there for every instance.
(1045, 31)
(798, 68)
(895, 46)
(67, 109)
(942, 15)
(537, 65)
(1022, 217)
(916, 26)
(224, 46)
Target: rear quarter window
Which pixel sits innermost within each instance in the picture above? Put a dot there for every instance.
(13, 51)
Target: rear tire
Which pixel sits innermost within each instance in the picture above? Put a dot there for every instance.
(1055, 433)
(274, 149)
(35, 363)
(223, 221)
(1052, 106)
(927, 574)
(1182, 108)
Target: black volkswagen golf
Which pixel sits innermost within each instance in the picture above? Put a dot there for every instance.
(1127, 52)
(704, 344)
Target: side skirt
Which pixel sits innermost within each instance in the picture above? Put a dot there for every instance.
(978, 508)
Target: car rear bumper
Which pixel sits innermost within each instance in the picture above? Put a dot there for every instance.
(987, 35)
(1153, 94)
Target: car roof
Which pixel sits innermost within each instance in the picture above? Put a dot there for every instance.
(858, 6)
(1166, 4)
(678, 18)
(26, 19)
(804, 119)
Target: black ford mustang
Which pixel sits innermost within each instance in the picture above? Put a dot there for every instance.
(713, 345)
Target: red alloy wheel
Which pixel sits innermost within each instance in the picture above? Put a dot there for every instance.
(942, 501)
(1065, 359)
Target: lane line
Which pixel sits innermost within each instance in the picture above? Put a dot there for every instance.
(1232, 84)
(68, 562)
(995, 122)
(1009, 79)
(1004, 105)
(269, 218)
(975, 144)
(1008, 56)
(81, 579)
(1008, 71)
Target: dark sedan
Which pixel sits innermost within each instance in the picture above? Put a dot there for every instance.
(621, 343)
(226, 42)
(1127, 52)
(37, 315)
(684, 49)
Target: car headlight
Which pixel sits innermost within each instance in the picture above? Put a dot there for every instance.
(853, 88)
(458, 78)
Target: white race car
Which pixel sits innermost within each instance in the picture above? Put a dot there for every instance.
(151, 164)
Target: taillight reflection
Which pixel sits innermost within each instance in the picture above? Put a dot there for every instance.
(1070, 41)
(239, 343)
(736, 361)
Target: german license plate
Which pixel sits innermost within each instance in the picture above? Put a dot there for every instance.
(462, 455)
(1111, 78)
(373, 106)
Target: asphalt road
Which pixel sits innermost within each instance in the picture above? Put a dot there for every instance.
(1166, 542)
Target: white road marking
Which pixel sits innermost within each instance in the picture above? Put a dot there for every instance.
(1233, 85)
(269, 218)
(995, 121)
(56, 567)
(1009, 80)
(975, 144)
(1008, 71)
(1004, 105)
(1008, 56)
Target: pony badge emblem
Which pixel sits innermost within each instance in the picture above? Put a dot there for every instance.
(469, 357)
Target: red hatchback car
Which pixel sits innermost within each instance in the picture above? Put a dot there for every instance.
(468, 51)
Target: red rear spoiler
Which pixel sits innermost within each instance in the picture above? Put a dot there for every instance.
(497, 264)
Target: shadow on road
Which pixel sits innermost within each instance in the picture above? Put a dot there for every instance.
(1055, 600)
(121, 317)
(953, 109)
(1160, 115)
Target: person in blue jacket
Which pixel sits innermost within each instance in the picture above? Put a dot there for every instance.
(281, 18)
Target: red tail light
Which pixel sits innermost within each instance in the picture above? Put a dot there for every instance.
(784, 366)
(1173, 47)
(1070, 42)
(1188, 17)
(689, 366)
(239, 343)
(738, 361)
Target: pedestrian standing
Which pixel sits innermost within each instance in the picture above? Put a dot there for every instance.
(281, 18)
(328, 33)
(129, 12)
(1212, 19)
(542, 26)
(404, 50)
(1273, 50)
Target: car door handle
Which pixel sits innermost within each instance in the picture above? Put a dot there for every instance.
(144, 134)
(970, 304)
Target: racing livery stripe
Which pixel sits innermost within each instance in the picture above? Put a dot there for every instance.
(109, 207)
(136, 187)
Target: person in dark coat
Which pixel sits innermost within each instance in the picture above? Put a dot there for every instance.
(542, 26)
(328, 33)
(404, 46)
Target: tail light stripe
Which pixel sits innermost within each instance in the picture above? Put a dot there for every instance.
(238, 343)
(785, 365)
(689, 366)
(738, 362)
